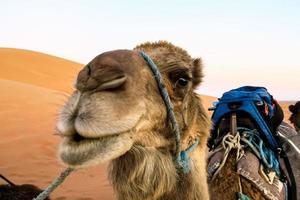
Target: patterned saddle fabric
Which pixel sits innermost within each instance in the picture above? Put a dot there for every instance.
(249, 168)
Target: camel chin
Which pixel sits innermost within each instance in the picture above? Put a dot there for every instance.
(83, 152)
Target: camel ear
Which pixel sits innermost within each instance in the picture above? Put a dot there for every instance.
(292, 108)
(197, 72)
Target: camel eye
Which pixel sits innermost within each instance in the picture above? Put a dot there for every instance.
(182, 82)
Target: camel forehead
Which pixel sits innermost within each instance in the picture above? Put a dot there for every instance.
(166, 55)
(129, 61)
(120, 63)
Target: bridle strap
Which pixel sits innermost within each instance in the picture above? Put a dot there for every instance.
(165, 96)
(181, 159)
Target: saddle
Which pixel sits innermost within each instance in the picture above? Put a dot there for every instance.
(256, 132)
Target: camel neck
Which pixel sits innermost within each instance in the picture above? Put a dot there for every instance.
(189, 187)
(149, 173)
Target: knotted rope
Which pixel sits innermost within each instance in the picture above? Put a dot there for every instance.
(248, 138)
(251, 139)
(230, 142)
(184, 161)
(266, 155)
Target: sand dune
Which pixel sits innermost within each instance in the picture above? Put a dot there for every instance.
(33, 87)
(38, 69)
(28, 110)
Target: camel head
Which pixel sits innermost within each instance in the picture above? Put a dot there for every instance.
(295, 117)
(117, 105)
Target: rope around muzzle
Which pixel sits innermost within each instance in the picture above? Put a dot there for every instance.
(182, 158)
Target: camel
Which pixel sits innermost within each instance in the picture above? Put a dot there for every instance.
(295, 117)
(116, 114)
(241, 177)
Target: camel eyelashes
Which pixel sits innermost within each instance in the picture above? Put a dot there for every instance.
(180, 75)
(182, 82)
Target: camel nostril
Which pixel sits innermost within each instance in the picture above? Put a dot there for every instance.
(113, 83)
(100, 76)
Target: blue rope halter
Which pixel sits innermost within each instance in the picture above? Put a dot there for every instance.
(182, 158)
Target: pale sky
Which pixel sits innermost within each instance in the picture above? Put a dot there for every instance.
(253, 42)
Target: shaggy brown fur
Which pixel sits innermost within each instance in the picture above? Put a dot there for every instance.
(295, 117)
(117, 115)
(149, 173)
(225, 185)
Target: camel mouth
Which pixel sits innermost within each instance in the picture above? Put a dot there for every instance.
(78, 151)
(76, 140)
(76, 137)
(83, 146)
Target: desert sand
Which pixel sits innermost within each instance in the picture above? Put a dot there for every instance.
(33, 87)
